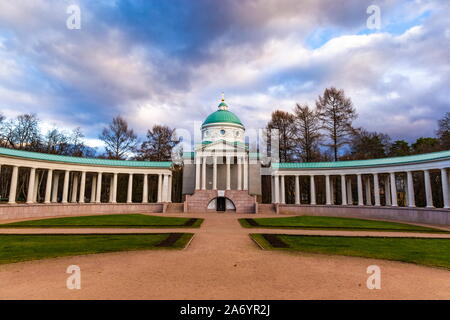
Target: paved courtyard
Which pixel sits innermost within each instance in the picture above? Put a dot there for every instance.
(221, 262)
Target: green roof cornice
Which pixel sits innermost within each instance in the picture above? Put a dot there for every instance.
(83, 161)
(442, 155)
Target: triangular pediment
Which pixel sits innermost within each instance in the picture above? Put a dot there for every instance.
(222, 145)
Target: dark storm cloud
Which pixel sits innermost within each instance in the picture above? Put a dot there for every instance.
(168, 61)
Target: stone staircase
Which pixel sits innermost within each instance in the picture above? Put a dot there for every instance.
(268, 208)
(175, 208)
(198, 202)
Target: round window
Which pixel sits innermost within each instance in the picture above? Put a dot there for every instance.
(237, 133)
(222, 132)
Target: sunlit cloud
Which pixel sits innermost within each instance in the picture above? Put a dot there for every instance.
(160, 63)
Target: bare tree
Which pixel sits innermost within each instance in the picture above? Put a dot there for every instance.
(336, 113)
(369, 145)
(308, 132)
(56, 142)
(284, 122)
(159, 143)
(119, 139)
(23, 133)
(443, 131)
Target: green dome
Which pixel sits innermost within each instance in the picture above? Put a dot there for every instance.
(222, 116)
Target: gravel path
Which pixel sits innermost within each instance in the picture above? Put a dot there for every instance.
(222, 262)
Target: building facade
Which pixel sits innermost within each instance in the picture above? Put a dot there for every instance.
(221, 174)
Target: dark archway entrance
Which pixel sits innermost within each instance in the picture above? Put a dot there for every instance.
(220, 204)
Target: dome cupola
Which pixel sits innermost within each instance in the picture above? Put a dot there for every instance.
(222, 125)
(222, 116)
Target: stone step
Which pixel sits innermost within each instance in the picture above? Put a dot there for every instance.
(266, 208)
(175, 207)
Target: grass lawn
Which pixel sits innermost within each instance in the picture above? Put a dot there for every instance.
(429, 252)
(20, 247)
(333, 223)
(109, 221)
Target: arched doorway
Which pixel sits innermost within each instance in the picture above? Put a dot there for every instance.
(221, 204)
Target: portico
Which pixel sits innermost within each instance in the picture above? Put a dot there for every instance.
(61, 179)
(376, 180)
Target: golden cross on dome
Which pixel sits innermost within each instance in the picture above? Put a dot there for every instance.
(223, 97)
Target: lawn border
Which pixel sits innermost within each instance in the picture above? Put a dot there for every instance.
(245, 224)
(267, 246)
(197, 224)
(102, 234)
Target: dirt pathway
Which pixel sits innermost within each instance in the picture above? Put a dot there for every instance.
(221, 263)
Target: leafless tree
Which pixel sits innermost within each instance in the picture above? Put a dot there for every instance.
(284, 122)
(336, 113)
(443, 131)
(308, 132)
(159, 143)
(120, 140)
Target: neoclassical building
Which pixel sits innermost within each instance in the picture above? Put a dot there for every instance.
(221, 174)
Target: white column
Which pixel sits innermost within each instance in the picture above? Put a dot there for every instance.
(245, 173)
(349, 191)
(272, 184)
(368, 192)
(283, 193)
(214, 172)
(93, 189)
(74, 187)
(239, 173)
(297, 190)
(203, 173)
(445, 194)
(387, 190)
(198, 161)
(130, 188)
(277, 189)
(55, 187)
(48, 186)
(170, 189)
(428, 192)
(312, 190)
(228, 173)
(98, 189)
(114, 187)
(145, 189)
(65, 194)
(110, 200)
(343, 190)
(36, 187)
(376, 189)
(165, 188)
(410, 183)
(13, 185)
(332, 182)
(82, 186)
(159, 187)
(31, 182)
(360, 190)
(393, 189)
(327, 190)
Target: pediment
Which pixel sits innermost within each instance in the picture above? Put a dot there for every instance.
(222, 145)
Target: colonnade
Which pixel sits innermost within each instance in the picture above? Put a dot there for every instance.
(79, 182)
(366, 184)
(217, 159)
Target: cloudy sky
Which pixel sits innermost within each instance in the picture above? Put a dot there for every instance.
(168, 61)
